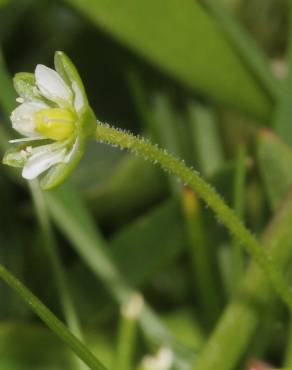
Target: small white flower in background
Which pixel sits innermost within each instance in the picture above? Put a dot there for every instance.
(163, 360)
(55, 119)
(132, 308)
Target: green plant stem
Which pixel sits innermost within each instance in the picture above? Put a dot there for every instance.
(55, 261)
(130, 312)
(52, 321)
(139, 146)
(126, 341)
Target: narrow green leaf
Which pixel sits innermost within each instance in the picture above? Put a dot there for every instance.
(58, 271)
(205, 273)
(161, 226)
(245, 46)
(205, 134)
(117, 199)
(51, 320)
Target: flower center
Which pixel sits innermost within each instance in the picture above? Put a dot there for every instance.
(55, 123)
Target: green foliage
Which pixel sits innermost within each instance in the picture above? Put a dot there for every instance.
(195, 78)
(139, 240)
(169, 34)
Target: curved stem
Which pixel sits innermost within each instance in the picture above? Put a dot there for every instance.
(51, 320)
(225, 215)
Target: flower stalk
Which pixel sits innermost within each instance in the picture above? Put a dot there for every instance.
(130, 312)
(124, 140)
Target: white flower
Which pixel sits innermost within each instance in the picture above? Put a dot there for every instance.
(55, 119)
(37, 120)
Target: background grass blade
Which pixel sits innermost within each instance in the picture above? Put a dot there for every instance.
(255, 60)
(58, 272)
(72, 218)
(169, 35)
(51, 321)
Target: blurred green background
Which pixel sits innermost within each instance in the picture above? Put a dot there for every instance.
(207, 80)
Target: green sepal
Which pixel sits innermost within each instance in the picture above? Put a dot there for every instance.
(87, 123)
(68, 72)
(86, 126)
(13, 157)
(25, 86)
(58, 173)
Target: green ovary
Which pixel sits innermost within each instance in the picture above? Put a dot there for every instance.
(55, 123)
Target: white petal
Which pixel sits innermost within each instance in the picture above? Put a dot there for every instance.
(51, 85)
(22, 118)
(42, 159)
(78, 100)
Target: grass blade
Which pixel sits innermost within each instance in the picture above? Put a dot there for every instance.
(245, 46)
(173, 41)
(51, 321)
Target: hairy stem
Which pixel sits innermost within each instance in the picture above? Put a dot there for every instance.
(190, 177)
